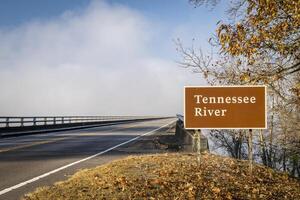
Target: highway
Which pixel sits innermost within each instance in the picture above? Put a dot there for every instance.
(30, 161)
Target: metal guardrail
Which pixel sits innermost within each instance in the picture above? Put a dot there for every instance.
(14, 121)
(16, 126)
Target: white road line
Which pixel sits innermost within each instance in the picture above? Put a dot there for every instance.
(76, 162)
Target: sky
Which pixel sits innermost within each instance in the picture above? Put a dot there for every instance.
(98, 57)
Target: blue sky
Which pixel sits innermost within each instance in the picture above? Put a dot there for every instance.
(198, 23)
(14, 12)
(54, 43)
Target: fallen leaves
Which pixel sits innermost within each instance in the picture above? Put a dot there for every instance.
(173, 176)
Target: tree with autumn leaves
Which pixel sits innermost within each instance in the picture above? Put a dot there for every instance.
(261, 46)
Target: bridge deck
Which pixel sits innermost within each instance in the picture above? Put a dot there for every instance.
(27, 157)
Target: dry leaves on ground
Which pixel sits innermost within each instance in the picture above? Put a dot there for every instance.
(173, 176)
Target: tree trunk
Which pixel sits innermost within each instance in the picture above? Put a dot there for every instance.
(263, 148)
(250, 152)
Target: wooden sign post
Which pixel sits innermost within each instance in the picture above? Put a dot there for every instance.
(198, 136)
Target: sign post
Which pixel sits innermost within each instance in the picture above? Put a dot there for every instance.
(225, 107)
(198, 136)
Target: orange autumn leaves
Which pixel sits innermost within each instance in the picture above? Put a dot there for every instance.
(266, 26)
(174, 176)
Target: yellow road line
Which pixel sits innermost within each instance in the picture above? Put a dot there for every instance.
(55, 140)
(31, 144)
(24, 183)
(94, 134)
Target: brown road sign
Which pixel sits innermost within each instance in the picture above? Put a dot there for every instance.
(225, 107)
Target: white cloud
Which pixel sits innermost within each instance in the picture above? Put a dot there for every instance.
(92, 62)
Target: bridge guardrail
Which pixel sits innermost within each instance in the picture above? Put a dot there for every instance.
(14, 121)
(14, 125)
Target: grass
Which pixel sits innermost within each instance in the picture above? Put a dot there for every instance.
(173, 176)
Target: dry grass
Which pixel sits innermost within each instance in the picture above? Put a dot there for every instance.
(173, 176)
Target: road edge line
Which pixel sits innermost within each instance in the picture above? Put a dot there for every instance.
(6, 190)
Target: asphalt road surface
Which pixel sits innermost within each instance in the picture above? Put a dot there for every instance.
(27, 162)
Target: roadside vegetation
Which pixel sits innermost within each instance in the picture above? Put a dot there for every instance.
(173, 176)
(259, 44)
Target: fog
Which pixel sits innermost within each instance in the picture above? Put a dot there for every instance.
(95, 61)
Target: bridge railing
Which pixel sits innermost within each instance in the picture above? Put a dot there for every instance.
(14, 121)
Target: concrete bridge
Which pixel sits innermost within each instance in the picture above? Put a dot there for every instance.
(38, 151)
